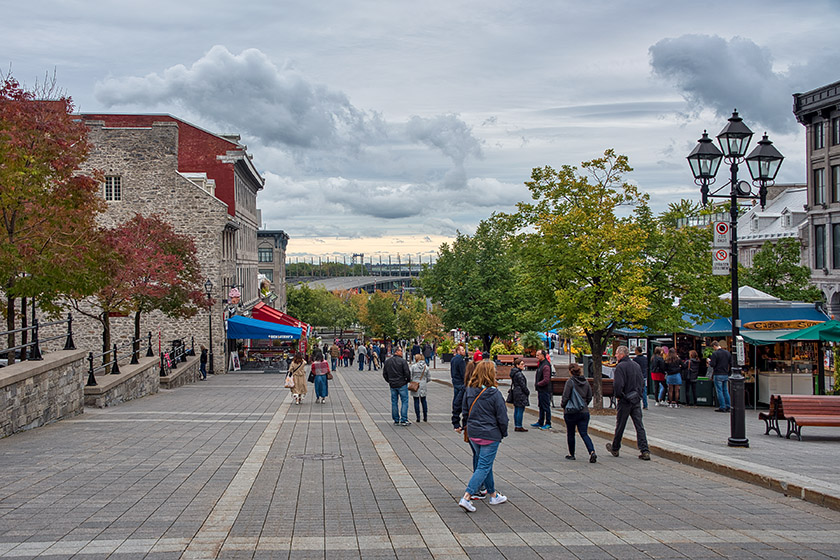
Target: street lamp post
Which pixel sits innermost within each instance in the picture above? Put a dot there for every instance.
(208, 287)
(763, 163)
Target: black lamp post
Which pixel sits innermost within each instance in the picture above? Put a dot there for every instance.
(763, 163)
(208, 287)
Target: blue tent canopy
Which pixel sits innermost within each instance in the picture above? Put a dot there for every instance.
(723, 326)
(247, 327)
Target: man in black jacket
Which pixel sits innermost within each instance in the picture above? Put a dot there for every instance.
(642, 360)
(397, 374)
(720, 363)
(628, 385)
(457, 368)
(543, 384)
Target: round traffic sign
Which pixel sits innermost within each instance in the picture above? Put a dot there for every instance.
(721, 255)
(722, 228)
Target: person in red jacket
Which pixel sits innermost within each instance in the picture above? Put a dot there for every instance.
(543, 384)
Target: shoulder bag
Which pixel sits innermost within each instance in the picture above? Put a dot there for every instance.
(575, 403)
(466, 437)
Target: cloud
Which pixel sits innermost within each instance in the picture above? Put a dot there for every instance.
(722, 75)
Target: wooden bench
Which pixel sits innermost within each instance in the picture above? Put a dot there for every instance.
(808, 410)
(772, 416)
(507, 359)
(559, 383)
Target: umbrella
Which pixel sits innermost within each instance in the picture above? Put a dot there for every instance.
(825, 332)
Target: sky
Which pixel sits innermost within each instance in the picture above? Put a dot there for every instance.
(386, 127)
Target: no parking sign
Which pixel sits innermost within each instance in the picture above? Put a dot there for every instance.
(722, 235)
(720, 262)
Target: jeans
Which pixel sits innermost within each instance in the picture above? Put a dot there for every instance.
(334, 363)
(321, 388)
(518, 415)
(346, 362)
(483, 472)
(457, 402)
(544, 399)
(722, 388)
(644, 395)
(579, 421)
(203, 369)
(428, 360)
(625, 409)
(417, 403)
(361, 362)
(661, 390)
(401, 394)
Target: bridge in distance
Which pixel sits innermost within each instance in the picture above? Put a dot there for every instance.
(366, 283)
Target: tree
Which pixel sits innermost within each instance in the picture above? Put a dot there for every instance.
(475, 281)
(47, 208)
(143, 265)
(377, 315)
(595, 265)
(777, 270)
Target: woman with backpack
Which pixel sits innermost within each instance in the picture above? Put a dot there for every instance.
(576, 397)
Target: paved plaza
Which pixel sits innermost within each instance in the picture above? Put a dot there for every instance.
(230, 468)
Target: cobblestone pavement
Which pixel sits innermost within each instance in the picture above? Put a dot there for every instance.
(229, 468)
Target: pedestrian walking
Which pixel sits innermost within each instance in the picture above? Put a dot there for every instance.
(692, 372)
(396, 372)
(297, 369)
(427, 353)
(657, 375)
(642, 360)
(485, 421)
(202, 363)
(518, 395)
(320, 368)
(457, 369)
(577, 394)
(420, 375)
(361, 352)
(720, 362)
(345, 355)
(628, 386)
(543, 384)
(673, 377)
(335, 355)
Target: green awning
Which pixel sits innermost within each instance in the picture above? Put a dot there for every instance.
(761, 338)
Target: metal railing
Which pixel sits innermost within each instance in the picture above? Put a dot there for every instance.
(177, 352)
(111, 358)
(35, 345)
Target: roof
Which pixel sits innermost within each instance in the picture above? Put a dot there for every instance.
(750, 294)
(783, 311)
(771, 224)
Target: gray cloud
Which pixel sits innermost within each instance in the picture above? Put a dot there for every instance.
(722, 75)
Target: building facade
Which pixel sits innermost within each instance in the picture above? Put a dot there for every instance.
(782, 217)
(819, 111)
(271, 254)
(205, 185)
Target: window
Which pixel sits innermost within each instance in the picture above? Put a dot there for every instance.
(113, 188)
(819, 186)
(265, 255)
(835, 246)
(787, 220)
(269, 274)
(835, 131)
(819, 246)
(754, 224)
(819, 135)
(835, 183)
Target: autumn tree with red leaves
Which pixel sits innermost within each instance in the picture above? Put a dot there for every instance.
(148, 266)
(47, 207)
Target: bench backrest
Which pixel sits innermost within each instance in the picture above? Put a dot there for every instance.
(811, 405)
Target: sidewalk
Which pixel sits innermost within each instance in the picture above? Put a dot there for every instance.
(229, 468)
(698, 436)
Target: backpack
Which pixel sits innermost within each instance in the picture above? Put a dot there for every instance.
(575, 403)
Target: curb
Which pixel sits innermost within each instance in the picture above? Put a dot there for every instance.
(789, 484)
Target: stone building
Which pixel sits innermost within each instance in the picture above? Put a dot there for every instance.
(205, 185)
(782, 217)
(271, 253)
(819, 111)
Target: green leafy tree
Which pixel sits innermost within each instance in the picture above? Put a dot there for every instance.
(377, 315)
(596, 258)
(777, 270)
(475, 281)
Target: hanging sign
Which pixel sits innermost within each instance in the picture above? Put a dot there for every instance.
(722, 235)
(720, 262)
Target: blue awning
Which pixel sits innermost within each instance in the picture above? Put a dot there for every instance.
(247, 327)
(723, 325)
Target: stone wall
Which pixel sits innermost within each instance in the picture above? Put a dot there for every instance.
(33, 394)
(146, 159)
(133, 382)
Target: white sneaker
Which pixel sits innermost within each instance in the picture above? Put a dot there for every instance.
(656, 403)
(497, 499)
(466, 504)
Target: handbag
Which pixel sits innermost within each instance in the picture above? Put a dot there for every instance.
(290, 382)
(329, 376)
(311, 378)
(575, 403)
(413, 386)
(466, 437)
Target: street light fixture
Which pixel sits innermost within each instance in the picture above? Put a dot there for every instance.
(763, 162)
(208, 287)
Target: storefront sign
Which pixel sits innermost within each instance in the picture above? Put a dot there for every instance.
(720, 262)
(778, 325)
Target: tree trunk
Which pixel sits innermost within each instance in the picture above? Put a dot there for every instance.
(597, 342)
(10, 326)
(24, 336)
(487, 341)
(106, 336)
